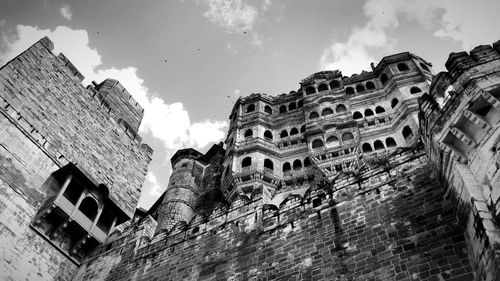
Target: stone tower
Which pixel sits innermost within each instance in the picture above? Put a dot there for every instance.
(193, 174)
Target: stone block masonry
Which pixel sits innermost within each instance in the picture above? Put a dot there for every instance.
(400, 230)
(47, 120)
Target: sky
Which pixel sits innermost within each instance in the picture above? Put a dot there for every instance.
(187, 61)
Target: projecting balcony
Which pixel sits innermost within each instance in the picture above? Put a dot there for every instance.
(80, 210)
(92, 227)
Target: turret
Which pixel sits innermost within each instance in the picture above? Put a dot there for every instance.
(184, 189)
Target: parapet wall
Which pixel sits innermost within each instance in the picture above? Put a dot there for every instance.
(391, 225)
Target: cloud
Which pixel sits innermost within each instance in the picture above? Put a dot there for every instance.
(471, 23)
(154, 188)
(65, 11)
(233, 16)
(456, 22)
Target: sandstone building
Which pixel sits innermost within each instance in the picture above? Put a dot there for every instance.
(392, 174)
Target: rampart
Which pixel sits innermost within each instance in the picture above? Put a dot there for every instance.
(388, 224)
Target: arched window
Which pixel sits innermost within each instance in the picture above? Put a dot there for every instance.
(394, 102)
(286, 167)
(415, 90)
(340, 108)
(390, 142)
(366, 147)
(370, 85)
(360, 88)
(313, 115)
(332, 141)
(384, 78)
(368, 112)
(310, 90)
(379, 109)
(294, 131)
(292, 106)
(317, 143)
(378, 144)
(283, 134)
(424, 67)
(251, 108)
(300, 104)
(407, 132)
(248, 133)
(88, 207)
(347, 137)
(349, 91)
(268, 135)
(322, 87)
(268, 109)
(307, 162)
(283, 109)
(403, 67)
(268, 164)
(357, 115)
(303, 129)
(246, 162)
(297, 165)
(327, 111)
(334, 84)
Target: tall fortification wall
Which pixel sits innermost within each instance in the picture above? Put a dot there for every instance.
(391, 223)
(48, 119)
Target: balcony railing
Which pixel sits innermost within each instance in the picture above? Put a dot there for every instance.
(77, 216)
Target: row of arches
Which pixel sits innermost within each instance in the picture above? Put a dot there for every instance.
(332, 140)
(328, 111)
(379, 145)
(247, 162)
(368, 112)
(360, 88)
(334, 84)
(296, 165)
(269, 135)
(293, 131)
(282, 109)
(291, 106)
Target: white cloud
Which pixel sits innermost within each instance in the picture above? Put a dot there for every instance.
(236, 16)
(233, 16)
(472, 22)
(74, 43)
(153, 186)
(169, 123)
(457, 23)
(65, 11)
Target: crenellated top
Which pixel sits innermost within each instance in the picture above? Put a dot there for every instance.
(113, 95)
(460, 62)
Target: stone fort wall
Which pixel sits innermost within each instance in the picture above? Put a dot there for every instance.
(47, 120)
(389, 224)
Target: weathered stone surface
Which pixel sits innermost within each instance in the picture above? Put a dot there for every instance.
(403, 232)
(47, 120)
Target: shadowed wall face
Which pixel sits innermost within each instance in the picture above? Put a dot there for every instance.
(397, 231)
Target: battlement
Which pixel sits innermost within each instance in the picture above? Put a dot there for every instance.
(461, 62)
(114, 96)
